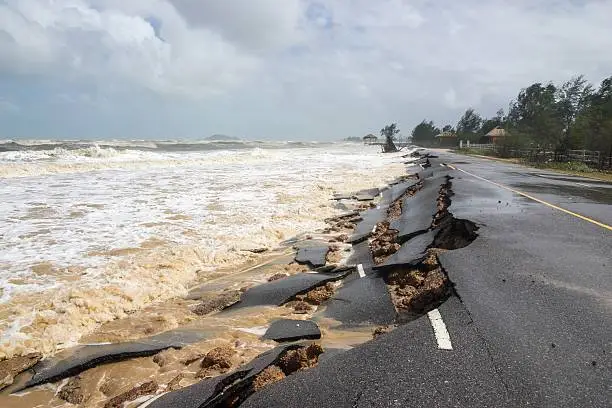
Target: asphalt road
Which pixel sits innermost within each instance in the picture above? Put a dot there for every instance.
(531, 323)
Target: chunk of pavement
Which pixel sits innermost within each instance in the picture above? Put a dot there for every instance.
(362, 255)
(364, 228)
(78, 359)
(13, 366)
(394, 192)
(270, 375)
(72, 392)
(292, 330)
(314, 256)
(147, 388)
(417, 213)
(410, 253)
(217, 303)
(211, 391)
(364, 301)
(281, 291)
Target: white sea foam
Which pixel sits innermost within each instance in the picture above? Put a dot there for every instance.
(80, 247)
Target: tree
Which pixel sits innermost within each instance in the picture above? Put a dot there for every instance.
(572, 98)
(424, 132)
(535, 113)
(390, 133)
(492, 123)
(448, 128)
(593, 125)
(469, 126)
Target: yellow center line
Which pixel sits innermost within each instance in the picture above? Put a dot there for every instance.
(582, 217)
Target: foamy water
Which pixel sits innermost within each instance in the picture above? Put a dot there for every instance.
(92, 233)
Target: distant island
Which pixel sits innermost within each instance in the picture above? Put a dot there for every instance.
(221, 138)
(355, 139)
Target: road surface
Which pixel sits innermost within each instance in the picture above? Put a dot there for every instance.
(531, 322)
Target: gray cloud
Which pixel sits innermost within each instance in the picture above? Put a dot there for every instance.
(298, 68)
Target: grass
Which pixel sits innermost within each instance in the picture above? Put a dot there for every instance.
(572, 168)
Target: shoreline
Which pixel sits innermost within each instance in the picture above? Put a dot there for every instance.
(174, 313)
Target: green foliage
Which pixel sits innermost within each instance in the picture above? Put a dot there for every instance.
(468, 127)
(390, 133)
(425, 132)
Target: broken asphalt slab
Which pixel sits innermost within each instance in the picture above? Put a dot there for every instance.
(410, 253)
(283, 290)
(291, 330)
(404, 368)
(364, 301)
(417, 213)
(81, 358)
(395, 191)
(209, 392)
(314, 256)
(369, 220)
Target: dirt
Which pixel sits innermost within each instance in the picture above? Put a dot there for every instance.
(379, 331)
(147, 388)
(300, 359)
(383, 243)
(318, 295)
(334, 256)
(270, 375)
(217, 361)
(13, 366)
(277, 276)
(175, 383)
(417, 290)
(217, 303)
(300, 306)
(442, 204)
(72, 392)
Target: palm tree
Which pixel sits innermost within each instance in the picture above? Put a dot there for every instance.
(389, 132)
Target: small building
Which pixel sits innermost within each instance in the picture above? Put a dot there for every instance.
(370, 139)
(496, 135)
(446, 139)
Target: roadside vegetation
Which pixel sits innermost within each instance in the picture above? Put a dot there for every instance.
(543, 125)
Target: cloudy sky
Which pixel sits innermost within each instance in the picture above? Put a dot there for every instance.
(281, 69)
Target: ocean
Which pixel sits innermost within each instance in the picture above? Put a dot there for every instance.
(94, 231)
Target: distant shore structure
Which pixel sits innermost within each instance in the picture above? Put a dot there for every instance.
(370, 139)
(496, 135)
(446, 139)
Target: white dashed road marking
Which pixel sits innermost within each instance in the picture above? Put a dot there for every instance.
(442, 336)
(360, 271)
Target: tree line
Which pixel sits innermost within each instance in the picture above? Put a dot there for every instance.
(572, 115)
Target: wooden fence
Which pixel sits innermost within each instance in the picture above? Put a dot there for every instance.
(589, 157)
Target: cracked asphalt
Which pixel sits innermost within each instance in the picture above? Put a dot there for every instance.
(530, 325)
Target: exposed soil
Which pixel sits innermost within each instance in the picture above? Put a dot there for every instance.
(13, 366)
(416, 290)
(217, 303)
(300, 306)
(217, 361)
(395, 210)
(300, 359)
(72, 392)
(144, 389)
(443, 202)
(318, 295)
(270, 375)
(380, 330)
(277, 276)
(383, 243)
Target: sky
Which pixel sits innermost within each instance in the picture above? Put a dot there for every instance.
(281, 69)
